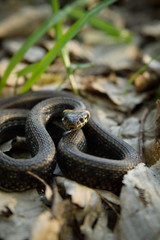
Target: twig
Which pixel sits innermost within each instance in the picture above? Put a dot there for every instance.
(112, 207)
(141, 134)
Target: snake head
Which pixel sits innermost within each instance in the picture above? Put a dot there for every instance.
(74, 120)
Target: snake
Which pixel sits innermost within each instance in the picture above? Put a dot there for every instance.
(86, 152)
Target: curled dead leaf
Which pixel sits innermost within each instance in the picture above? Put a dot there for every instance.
(146, 81)
(46, 227)
(87, 210)
(7, 204)
(114, 90)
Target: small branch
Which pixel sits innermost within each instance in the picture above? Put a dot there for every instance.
(141, 134)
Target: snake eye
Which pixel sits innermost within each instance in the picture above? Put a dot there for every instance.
(65, 119)
(81, 120)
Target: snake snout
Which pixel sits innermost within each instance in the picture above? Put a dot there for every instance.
(74, 120)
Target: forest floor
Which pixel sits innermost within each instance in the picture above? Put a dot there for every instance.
(76, 211)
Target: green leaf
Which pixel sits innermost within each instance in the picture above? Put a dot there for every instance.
(64, 52)
(27, 70)
(74, 29)
(120, 34)
(35, 36)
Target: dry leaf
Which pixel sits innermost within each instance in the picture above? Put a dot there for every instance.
(146, 81)
(24, 21)
(114, 90)
(140, 204)
(116, 56)
(90, 216)
(34, 54)
(25, 207)
(7, 204)
(46, 227)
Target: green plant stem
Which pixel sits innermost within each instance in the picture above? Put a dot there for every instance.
(64, 52)
(35, 36)
(51, 55)
(117, 33)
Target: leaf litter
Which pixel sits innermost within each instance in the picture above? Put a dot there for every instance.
(68, 210)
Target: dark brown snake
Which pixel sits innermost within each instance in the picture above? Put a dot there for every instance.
(91, 156)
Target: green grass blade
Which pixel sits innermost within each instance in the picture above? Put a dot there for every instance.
(136, 74)
(50, 56)
(64, 52)
(120, 34)
(58, 25)
(35, 36)
(27, 70)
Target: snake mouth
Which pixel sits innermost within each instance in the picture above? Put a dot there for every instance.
(73, 120)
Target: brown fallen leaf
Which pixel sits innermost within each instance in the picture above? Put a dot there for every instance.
(55, 224)
(7, 204)
(24, 21)
(78, 215)
(140, 204)
(46, 227)
(151, 29)
(146, 81)
(18, 212)
(89, 214)
(33, 55)
(114, 90)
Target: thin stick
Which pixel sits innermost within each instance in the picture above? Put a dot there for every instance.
(141, 134)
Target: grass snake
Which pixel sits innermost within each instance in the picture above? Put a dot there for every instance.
(91, 155)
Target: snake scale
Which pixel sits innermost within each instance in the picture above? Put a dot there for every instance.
(91, 155)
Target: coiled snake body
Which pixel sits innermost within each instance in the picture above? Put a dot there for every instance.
(91, 156)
